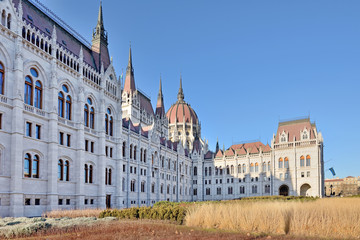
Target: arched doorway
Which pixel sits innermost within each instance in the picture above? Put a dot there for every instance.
(305, 190)
(284, 190)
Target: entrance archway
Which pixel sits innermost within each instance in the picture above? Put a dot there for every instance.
(284, 190)
(305, 190)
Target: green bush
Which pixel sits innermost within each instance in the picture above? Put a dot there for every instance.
(162, 211)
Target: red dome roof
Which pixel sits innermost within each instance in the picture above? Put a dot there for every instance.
(179, 110)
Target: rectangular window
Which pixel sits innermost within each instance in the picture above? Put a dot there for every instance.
(134, 170)
(86, 145)
(37, 201)
(28, 129)
(111, 152)
(130, 169)
(61, 138)
(144, 172)
(67, 201)
(91, 201)
(92, 147)
(86, 201)
(124, 168)
(37, 131)
(0, 120)
(106, 150)
(308, 174)
(68, 140)
(27, 201)
(60, 201)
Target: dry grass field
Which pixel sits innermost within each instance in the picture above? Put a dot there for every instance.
(327, 218)
(73, 213)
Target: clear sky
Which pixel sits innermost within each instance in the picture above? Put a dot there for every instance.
(245, 64)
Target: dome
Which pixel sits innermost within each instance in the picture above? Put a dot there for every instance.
(181, 112)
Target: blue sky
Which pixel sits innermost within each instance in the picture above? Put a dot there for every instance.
(245, 64)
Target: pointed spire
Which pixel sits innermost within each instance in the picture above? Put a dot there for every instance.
(160, 109)
(129, 85)
(20, 9)
(181, 93)
(100, 21)
(217, 145)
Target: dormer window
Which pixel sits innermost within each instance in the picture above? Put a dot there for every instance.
(305, 135)
(283, 137)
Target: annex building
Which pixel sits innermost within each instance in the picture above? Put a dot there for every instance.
(72, 136)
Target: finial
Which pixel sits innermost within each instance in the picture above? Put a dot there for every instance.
(81, 55)
(181, 93)
(53, 35)
(20, 9)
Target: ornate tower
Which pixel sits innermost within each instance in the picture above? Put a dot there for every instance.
(100, 42)
(161, 120)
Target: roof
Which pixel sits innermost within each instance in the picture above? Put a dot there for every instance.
(219, 154)
(208, 155)
(181, 112)
(334, 180)
(294, 128)
(196, 145)
(229, 152)
(45, 24)
(145, 103)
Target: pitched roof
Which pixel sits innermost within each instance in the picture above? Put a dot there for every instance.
(294, 128)
(229, 152)
(241, 151)
(267, 148)
(208, 155)
(145, 103)
(219, 154)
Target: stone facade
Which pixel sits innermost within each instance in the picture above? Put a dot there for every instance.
(72, 137)
(342, 186)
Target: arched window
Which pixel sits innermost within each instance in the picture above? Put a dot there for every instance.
(252, 167)
(131, 149)
(89, 114)
(239, 168)
(60, 170)
(286, 162)
(227, 170)
(68, 107)
(9, 21)
(162, 188)
(254, 189)
(232, 169)
(2, 79)
(135, 152)
(143, 186)
(268, 168)
(3, 18)
(108, 176)
(27, 165)
(256, 167)
(153, 188)
(38, 95)
(168, 189)
(86, 173)
(205, 171)
(123, 149)
(141, 154)
(174, 189)
(302, 161)
(132, 186)
(35, 167)
(195, 171)
(244, 168)
(242, 190)
(210, 172)
(90, 174)
(109, 122)
(267, 188)
(280, 163)
(145, 155)
(308, 159)
(66, 170)
(61, 104)
(28, 95)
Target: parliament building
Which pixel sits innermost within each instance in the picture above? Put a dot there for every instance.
(73, 136)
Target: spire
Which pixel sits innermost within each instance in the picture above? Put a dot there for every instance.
(160, 109)
(181, 93)
(129, 85)
(100, 41)
(217, 145)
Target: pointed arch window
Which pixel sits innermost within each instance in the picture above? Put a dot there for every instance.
(252, 167)
(38, 95)
(60, 170)
(281, 163)
(124, 149)
(89, 114)
(86, 173)
(61, 104)
(256, 167)
(2, 79)
(302, 161)
(28, 96)
(35, 167)
(286, 162)
(31, 166)
(86, 115)
(68, 107)
(244, 168)
(308, 160)
(66, 170)
(27, 165)
(232, 169)
(109, 122)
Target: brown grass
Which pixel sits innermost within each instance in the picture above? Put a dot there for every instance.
(330, 218)
(73, 213)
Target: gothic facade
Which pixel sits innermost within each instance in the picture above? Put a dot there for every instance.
(73, 137)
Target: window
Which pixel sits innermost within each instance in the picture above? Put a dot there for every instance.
(88, 173)
(244, 168)
(242, 190)
(89, 114)
(302, 174)
(254, 189)
(161, 188)
(67, 201)
(123, 185)
(218, 191)
(60, 201)
(143, 186)
(35, 166)
(61, 138)
(106, 150)
(38, 95)
(230, 190)
(308, 161)
(280, 163)
(232, 169)
(63, 170)
(108, 176)
(302, 161)
(153, 188)
(27, 165)
(268, 166)
(109, 122)
(256, 167)
(64, 103)
(227, 170)
(28, 95)
(86, 145)
(210, 172)
(27, 201)
(131, 149)
(252, 167)
(307, 174)
(206, 171)
(132, 186)
(267, 188)
(0, 120)
(92, 147)
(37, 201)
(239, 168)
(144, 155)
(28, 129)
(195, 191)
(123, 149)
(37, 131)
(111, 152)
(68, 140)
(135, 152)
(207, 191)
(195, 172)
(2, 79)
(286, 163)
